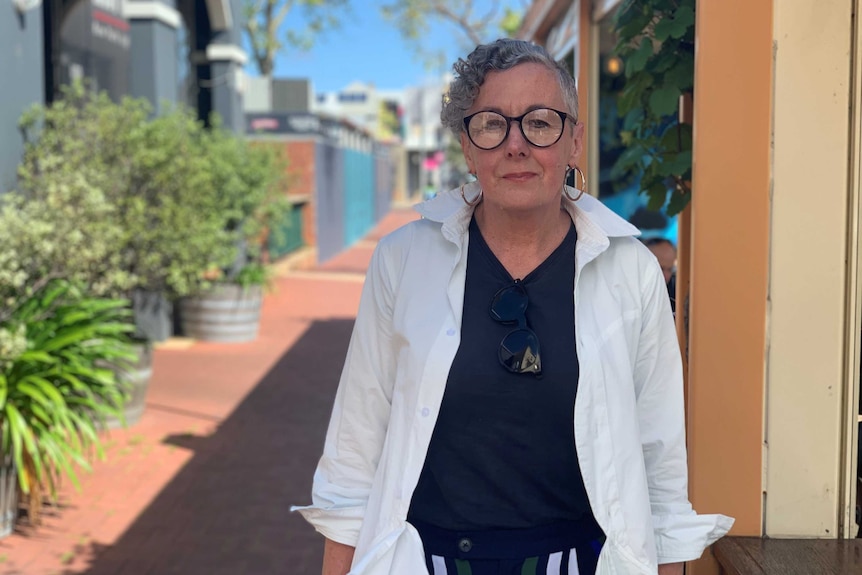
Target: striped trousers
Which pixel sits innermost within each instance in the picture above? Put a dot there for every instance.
(562, 549)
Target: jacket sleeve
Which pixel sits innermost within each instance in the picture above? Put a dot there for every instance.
(360, 415)
(680, 533)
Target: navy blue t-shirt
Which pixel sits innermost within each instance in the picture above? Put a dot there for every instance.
(502, 454)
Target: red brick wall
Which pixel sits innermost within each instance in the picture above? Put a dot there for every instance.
(299, 169)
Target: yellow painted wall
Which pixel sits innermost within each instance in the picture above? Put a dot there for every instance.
(729, 250)
(804, 401)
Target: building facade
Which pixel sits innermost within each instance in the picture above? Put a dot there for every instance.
(167, 51)
(377, 111)
(769, 254)
(426, 141)
(343, 175)
(386, 115)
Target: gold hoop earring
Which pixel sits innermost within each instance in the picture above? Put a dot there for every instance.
(580, 190)
(474, 201)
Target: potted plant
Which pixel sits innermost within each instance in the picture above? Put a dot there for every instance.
(156, 215)
(229, 311)
(55, 390)
(249, 177)
(157, 176)
(42, 240)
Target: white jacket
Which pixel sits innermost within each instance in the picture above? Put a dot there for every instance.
(628, 417)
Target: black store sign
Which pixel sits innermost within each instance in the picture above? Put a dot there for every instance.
(293, 123)
(94, 44)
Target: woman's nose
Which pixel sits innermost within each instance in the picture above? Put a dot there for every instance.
(516, 143)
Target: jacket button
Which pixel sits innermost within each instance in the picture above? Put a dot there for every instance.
(465, 545)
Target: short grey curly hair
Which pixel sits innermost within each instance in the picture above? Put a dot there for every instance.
(502, 54)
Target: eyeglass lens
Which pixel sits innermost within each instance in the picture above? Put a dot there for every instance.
(519, 349)
(541, 127)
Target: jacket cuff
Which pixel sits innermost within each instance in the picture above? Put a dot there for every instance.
(685, 537)
(339, 525)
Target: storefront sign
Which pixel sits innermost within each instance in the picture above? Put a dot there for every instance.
(304, 124)
(284, 123)
(95, 43)
(108, 23)
(263, 124)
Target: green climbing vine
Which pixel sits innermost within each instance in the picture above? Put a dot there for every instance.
(656, 46)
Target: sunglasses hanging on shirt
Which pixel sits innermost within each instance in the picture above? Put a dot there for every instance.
(519, 349)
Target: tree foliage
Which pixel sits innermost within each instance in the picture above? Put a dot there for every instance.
(267, 33)
(656, 43)
(474, 25)
(115, 200)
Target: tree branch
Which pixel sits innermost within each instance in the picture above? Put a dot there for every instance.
(282, 13)
(252, 28)
(462, 20)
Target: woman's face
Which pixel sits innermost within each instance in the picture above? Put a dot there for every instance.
(516, 174)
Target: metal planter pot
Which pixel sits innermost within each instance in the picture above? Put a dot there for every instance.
(227, 314)
(137, 379)
(8, 495)
(153, 313)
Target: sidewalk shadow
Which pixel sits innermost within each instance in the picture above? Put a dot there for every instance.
(227, 511)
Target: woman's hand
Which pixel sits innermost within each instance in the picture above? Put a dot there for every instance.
(337, 558)
(670, 569)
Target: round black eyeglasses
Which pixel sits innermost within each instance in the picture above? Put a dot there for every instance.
(542, 127)
(519, 349)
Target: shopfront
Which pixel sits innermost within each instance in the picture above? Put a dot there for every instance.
(171, 51)
(93, 42)
(770, 258)
(588, 54)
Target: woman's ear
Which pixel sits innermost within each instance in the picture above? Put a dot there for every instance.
(578, 147)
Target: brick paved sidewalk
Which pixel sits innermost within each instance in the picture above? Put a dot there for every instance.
(228, 441)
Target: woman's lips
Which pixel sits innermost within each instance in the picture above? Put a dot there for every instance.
(519, 176)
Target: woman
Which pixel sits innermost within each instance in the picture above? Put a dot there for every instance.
(456, 444)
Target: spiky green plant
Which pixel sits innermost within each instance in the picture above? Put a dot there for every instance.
(57, 386)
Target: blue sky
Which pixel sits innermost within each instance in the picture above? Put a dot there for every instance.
(369, 49)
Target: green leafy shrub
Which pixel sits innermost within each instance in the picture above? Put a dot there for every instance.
(178, 222)
(55, 391)
(69, 230)
(175, 198)
(656, 43)
(255, 197)
(254, 274)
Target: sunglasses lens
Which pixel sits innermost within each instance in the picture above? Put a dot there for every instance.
(519, 352)
(509, 304)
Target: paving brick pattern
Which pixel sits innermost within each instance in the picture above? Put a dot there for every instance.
(229, 440)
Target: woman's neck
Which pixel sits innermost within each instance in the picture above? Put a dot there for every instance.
(522, 241)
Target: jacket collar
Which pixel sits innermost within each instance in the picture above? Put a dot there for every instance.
(594, 221)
